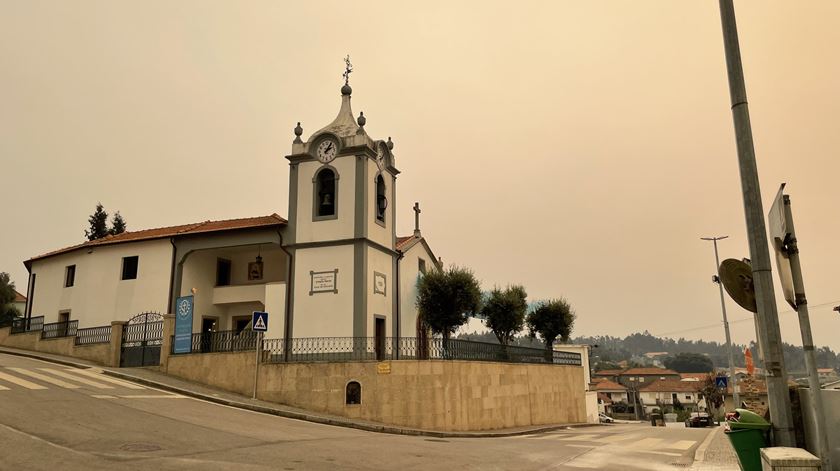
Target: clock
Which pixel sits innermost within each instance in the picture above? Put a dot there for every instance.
(326, 151)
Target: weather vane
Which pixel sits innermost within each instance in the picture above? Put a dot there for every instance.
(347, 70)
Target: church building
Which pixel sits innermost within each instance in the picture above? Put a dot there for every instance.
(334, 268)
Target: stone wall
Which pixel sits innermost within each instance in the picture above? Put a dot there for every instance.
(100, 353)
(435, 395)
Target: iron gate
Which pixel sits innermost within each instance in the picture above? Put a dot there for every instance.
(141, 340)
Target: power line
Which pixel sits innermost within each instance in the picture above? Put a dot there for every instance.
(717, 324)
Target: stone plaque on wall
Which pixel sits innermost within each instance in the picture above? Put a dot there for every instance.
(379, 283)
(323, 281)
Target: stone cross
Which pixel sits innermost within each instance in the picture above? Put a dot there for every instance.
(416, 219)
(348, 69)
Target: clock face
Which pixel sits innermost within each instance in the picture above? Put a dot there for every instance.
(326, 151)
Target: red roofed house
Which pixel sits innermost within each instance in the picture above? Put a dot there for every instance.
(335, 268)
(609, 392)
(19, 302)
(635, 378)
(670, 393)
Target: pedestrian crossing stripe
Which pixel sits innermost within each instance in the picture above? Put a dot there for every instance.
(101, 377)
(45, 378)
(76, 378)
(63, 378)
(20, 381)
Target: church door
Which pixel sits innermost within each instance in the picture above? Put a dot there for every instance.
(379, 338)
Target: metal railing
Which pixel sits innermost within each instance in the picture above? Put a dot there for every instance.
(143, 334)
(92, 335)
(56, 330)
(22, 325)
(222, 341)
(406, 348)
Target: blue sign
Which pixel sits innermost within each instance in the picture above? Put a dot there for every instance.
(259, 321)
(183, 324)
(721, 382)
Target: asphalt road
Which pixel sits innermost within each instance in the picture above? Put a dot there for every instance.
(53, 417)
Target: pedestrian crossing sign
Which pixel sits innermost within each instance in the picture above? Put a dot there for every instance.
(259, 321)
(721, 382)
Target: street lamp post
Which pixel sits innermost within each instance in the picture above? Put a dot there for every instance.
(735, 394)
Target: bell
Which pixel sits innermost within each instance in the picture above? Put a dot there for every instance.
(326, 200)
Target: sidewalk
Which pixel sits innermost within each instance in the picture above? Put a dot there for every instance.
(716, 453)
(153, 378)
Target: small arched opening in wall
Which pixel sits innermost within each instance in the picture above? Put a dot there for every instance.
(353, 393)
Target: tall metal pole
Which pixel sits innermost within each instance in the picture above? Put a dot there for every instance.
(735, 394)
(807, 341)
(767, 318)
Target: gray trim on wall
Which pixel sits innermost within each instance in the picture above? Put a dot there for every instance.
(359, 289)
(293, 203)
(334, 243)
(360, 229)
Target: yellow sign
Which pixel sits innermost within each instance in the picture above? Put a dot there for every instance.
(383, 368)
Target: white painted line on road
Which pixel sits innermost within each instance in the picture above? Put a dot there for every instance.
(654, 452)
(152, 396)
(584, 437)
(3, 388)
(20, 382)
(102, 377)
(648, 442)
(617, 437)
(45, 378)
(103, 396)
(682, 444)
(573, 445)
(76, 378)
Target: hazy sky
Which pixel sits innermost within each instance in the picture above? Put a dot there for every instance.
(578, 148)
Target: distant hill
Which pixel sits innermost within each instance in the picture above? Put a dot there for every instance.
(615, 349)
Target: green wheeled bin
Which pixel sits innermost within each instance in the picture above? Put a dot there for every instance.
(748, 434)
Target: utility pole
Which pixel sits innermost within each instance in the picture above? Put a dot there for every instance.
(807, 340)
(735, 394)
(767, 318)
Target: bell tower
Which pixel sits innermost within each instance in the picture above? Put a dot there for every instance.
(341, 231)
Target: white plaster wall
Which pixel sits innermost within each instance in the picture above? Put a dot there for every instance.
(409, 274)
(583, 351)
(323, 314)
(378, 304)
(99, 295)
(275, 306)
(274, 264)
(831, 411)
(330, 229)
(199, 272)
(377, 233)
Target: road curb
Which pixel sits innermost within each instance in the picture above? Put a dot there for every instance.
(700, 452)
(297, 415)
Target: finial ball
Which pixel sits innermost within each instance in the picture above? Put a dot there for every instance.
(361, 120)
(298, 130)
(346, 90)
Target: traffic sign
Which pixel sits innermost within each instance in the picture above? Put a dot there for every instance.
(721, 382)
(259, 321)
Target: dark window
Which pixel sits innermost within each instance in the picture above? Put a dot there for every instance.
(421, 265)
(129, 271)
(222, 272)
(381, 199)
(354, 393)
(69, 276)
(325, 193)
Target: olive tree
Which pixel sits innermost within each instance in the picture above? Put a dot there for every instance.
(504, 312)
(446, 299)
(551, 319)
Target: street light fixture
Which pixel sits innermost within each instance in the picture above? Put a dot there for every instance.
(735, 396)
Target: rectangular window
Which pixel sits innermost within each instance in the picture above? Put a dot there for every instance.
(421, 265)
(129, 268)
(688, 397)
(222, 272)
(69, 276)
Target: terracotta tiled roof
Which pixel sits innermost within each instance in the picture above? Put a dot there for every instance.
(671, 385)
(172, 231)
(406, 242)
(607, 385)
(19, 298)
(604, 398)
(649, 372)
(607, 373)
(826, 370)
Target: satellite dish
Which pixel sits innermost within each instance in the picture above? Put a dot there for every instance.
(737, 279)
